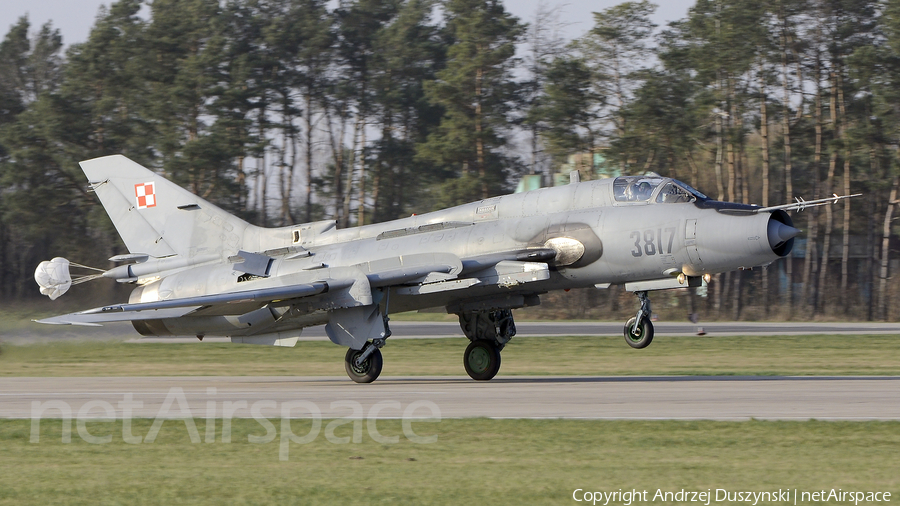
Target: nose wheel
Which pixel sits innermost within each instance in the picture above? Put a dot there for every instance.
(639, 329)
(638, 335)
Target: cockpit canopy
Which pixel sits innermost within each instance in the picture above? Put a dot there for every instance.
(643, 188)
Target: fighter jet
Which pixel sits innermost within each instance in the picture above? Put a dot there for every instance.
(199, 271)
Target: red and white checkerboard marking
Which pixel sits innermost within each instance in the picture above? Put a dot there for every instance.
(145, 195)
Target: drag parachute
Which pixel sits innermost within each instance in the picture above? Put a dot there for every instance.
(53, 277)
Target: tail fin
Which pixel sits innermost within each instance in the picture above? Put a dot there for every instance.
(157, 217)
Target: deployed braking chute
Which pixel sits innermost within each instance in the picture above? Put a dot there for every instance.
(54, 278)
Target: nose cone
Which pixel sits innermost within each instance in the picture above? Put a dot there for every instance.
(779, 234)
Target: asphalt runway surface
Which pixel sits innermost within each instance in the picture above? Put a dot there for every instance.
(639, 398)
(615, 398)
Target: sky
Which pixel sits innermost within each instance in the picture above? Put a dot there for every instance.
(74, 18)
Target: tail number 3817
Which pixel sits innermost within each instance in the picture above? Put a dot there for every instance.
(653, 242)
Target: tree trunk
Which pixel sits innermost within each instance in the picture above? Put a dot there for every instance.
(788, 177)
(337, 152)
(812, 225)
(764, 134)
(885, 251)
(261, 183)
(243, 199)
(736, 297)
(479, 141)
(845, 250)
(869, 301)
(345, 216)
(4, 277)
(288, 140)
(829, 214)
(309, 164)
(387, 138)
(261, 174)
(845, 246)
(647, 164)
(719, 158)
(717, 301)
(732, 127)
(695, 171)
(364, 113)
(361, 209)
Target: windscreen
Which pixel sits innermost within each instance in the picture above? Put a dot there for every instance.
(672, 193)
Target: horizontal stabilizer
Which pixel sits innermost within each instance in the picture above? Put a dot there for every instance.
(175, 308)
(93, 317)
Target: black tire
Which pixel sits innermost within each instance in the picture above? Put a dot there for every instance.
(482, 360)
(368, 371)
(644, 335)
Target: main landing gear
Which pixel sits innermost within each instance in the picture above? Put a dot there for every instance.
(364, 366)
(639, 329)
(488, 331)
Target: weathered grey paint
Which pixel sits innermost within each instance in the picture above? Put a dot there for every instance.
(475, 255)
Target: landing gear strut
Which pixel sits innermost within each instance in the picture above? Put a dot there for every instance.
(639, 329)
(488, 331)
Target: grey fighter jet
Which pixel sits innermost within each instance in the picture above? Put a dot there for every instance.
(199, 271)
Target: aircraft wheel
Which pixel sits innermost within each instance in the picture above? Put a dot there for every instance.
(643, 336)
(482, 360)
(368, 370)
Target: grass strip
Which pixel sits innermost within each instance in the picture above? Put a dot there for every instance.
(473, 461)
(837, 355)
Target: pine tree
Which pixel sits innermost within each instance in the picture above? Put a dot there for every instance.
(475, 89)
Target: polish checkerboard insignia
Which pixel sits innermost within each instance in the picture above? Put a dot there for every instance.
(145, 195)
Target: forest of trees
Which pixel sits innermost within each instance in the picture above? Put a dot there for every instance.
(288, 111)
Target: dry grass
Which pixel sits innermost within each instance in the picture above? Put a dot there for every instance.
(474, 461)
(758, 355)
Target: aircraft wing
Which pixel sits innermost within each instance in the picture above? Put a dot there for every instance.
(175, 308)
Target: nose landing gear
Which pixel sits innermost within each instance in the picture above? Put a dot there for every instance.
(639, 329)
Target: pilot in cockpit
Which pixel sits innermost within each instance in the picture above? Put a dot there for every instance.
(639, 191)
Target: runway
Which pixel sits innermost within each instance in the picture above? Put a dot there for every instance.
(600, 398)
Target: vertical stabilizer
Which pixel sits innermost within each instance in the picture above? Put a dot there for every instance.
(157, 217)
